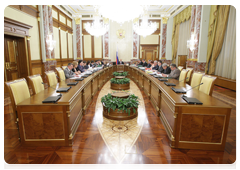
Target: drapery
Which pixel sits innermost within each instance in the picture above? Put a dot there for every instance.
(184, 35)
(211, 32)
(222, 21)
(226, 61)
(177, 20)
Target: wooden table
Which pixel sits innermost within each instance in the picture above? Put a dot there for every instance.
(188, 126)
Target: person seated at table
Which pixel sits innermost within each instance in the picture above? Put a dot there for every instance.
(85, 66)
(80, 66)
(175, 72)
(152, 64)
(120, 62)
(92, 64)
(166, 69)
(155, 65)
(160, 68)
(74, 69)
(149, 64)
(144, 63)
(68, 71)
(140, 62)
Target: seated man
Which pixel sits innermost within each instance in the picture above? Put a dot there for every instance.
(160, 68)
(68, 71)
(175, 72)
(166, 69)
(85, 66)
(140, 62)
(120, 62)
(155, 66)
(144, 63)
(80, 66)
(149, 64)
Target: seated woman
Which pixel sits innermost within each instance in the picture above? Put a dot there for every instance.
(85, 66)
(152, 64)
(75, 65)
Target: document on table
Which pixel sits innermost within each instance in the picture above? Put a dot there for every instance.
(75, 77)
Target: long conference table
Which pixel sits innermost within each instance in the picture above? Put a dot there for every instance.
(188, 126)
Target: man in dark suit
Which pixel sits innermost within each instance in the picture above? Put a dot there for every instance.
(120, 62)
(175, 72)
(166, 69)
(68, 71)
(144, 63)
(80, 66)
(140, 62)
(155, 67)
(160, 69)
(149, 64)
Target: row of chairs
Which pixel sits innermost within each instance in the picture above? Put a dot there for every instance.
(196, 78)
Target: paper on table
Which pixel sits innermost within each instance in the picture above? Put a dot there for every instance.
(75, 77)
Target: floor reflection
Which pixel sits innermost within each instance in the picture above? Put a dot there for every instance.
(120, 136)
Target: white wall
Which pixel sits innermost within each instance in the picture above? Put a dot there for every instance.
(203, 36)
(125, 45)
(169, 39)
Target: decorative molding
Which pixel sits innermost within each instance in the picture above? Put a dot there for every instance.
(164, 20)
(77, 20)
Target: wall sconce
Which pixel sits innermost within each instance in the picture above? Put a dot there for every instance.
(192, 42)
(50, 42)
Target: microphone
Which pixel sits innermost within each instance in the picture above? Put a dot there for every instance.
(183, 91)
(183, 79)
(194, 87)
(52, 88)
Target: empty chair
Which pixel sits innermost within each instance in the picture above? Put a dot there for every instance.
(183, 75)
(63, 67)
(51, 78)
(36, 83)
(19, 91)
(208, 83)
(196, 79)
(60, 74)
(189, 75)
(180, 68)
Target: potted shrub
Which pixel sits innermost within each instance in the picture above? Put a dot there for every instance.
(120, 74)
(118, 108)
(120, 84)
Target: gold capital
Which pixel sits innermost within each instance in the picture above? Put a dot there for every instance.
(77, 20)
(164, 20)
(28, 38)
(50, 6)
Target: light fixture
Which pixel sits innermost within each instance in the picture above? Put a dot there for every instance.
(97, 28)
(50, 42)
(120, 12)
(191, 43)
(145, 28)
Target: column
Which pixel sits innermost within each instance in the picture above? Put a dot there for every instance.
(164, 37)
(78, 37)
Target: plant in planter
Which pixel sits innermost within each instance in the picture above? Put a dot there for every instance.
(122, 104)
(120, 81)
(120, 74)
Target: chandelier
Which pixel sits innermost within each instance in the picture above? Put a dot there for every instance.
(145, 28)
(50, 42)
(191, 43)
(97, 28)
(120, 12)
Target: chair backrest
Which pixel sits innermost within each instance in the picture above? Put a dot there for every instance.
(51, 78)
(63, 67)
(183, 75)
(36, 83)
(208, 83)
(60, 73)
(18, 91)
(180, 68)
(189, 75)
(196, 79)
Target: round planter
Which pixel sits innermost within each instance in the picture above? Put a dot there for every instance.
(120, 77)
(119, 115)
(120, 86)
(120, 94)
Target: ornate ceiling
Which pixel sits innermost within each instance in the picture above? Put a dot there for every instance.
(162, 10)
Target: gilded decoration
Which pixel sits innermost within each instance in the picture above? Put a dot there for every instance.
(164, 20)
(121, 33)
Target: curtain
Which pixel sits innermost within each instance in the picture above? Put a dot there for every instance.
(184, 35)
(226, 61)
(211, 32)
(177, 20)
(222, 21)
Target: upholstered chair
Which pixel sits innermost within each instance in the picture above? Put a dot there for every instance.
(18, 91)
(183, 75)
(180, 68)
(36, 83)
(60, 74)
(51, 78)
(196, 79)
(208, 83)
(189, 75)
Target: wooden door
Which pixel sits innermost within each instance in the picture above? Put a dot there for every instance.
(149, 55)
(182, 59)
(15, 59)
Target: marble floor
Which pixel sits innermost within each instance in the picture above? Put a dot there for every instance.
(120, 136)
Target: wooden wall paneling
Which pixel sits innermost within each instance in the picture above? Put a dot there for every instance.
(29, 55)
(37, 67)
(29, 9)
(67, 45)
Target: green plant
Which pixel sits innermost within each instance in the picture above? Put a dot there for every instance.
(120, 74)
(122, 104)
(120, 81)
